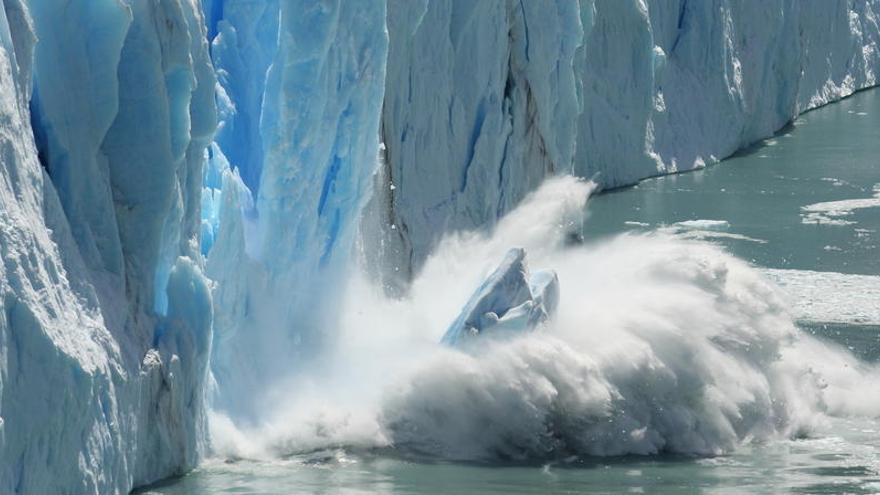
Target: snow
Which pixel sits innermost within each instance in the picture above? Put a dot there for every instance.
(509, 301)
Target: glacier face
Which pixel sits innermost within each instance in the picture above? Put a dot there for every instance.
(103, 378)
(118, 197)
(244, 37)
(288, 215)
(484, 99)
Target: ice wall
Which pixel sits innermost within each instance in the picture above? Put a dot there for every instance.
(102, 375)
(244, 38)
(289, 213)
(484, 99)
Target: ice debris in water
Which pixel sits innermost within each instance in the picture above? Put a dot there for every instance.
(509, 301)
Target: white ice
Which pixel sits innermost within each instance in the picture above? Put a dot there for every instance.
(508, 302)
(837, 212)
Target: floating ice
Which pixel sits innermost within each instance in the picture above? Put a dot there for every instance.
(633, 223)
(707, 230)
(704, 224)
(829, 297)
(836, 212)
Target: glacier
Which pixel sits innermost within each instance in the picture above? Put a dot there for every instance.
(188, 184)
(485, 99)
(107, 315)
(282, 253)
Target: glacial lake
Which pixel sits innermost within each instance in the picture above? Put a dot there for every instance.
(805, 206)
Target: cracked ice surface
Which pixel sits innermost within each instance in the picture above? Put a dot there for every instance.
(94, 241)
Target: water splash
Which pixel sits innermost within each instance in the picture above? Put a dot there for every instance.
(660, 344)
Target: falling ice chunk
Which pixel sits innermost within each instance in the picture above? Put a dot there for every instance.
(509, 301)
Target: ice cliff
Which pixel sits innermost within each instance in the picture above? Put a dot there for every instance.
(105, 328)
(308, 110)
(484, 99)
(185, 182)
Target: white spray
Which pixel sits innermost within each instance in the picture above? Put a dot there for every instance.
(659, 345)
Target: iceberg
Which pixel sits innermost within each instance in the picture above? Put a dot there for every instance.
(509, 301)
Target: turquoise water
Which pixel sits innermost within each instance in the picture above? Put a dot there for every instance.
(829, 465)
(753, 205)
(829, 154)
